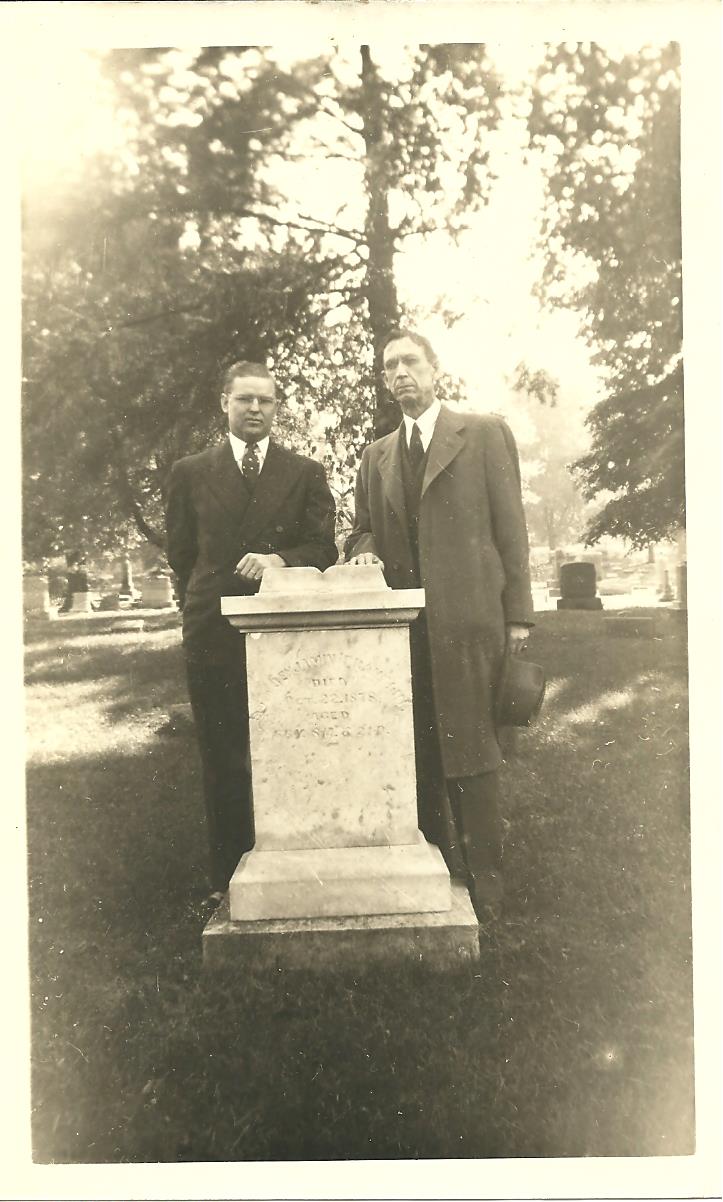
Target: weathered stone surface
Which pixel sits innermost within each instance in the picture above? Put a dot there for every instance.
(441, 940)
(305, 598)
(332, 743)
(340, 881)
(157, 593)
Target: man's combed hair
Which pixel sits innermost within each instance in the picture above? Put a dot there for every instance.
(244, 367)
(402, 332)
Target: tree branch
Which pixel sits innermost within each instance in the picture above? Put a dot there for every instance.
(139, 321)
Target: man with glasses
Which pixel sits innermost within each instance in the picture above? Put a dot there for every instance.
(233, 511)
(438, 503)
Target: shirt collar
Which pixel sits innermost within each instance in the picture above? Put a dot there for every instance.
(238, 446)
(426, 422)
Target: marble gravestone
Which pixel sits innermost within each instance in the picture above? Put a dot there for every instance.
(36, 597)
(157, 592)
(338, 851)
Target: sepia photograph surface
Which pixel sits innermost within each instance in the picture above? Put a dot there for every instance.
(354, 410)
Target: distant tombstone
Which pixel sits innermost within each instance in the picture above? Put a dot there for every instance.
(540, 595)
(666, 592)
(109, 601)
(36, 598)
(126, 583)
(682, 598)
(157, 593)
(77, 593)
(578, 586)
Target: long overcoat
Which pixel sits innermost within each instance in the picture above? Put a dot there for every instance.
(474, 566)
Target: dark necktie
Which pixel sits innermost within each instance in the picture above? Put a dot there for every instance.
(250, 465)
(416, 450)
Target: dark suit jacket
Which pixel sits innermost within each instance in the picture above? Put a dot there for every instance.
(473, 561)
(213, 519)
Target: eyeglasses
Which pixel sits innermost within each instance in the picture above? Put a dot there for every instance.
(248, 399)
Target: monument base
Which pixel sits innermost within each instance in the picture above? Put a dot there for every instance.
(333, 882)
(579, 603)
(440, 940)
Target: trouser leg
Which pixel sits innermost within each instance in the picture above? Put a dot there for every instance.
(475, 803)
(219, 702)
(434, 813)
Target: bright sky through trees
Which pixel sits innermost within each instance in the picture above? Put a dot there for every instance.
(486, 280)
(519, 204)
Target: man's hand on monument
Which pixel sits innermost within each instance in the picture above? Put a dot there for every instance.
(517, 638)
(253, 565)
(367, 557)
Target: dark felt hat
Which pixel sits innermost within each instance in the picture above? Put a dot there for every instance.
(520, 691)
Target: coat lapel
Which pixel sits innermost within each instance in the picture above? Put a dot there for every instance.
(390, 471)
(447, 442)
(278, 475)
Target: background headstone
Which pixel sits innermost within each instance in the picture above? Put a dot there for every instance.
(157, 593)
(578, 586)
(36, 597)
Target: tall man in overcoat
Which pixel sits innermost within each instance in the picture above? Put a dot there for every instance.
(438, 503)
(233, 511)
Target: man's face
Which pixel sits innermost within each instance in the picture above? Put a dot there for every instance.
(409, 375)
(250, 402)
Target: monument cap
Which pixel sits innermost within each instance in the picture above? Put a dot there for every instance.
(520, 693)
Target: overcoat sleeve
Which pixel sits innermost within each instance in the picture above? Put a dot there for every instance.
(181, 536)
(508, 521)
(316, 546)
(361, 539)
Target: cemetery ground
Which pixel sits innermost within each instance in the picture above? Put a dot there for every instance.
(571, 1037)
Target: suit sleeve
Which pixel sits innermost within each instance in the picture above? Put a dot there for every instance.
(181, 538)
(316, 547)
(508, 521)
(361, 539)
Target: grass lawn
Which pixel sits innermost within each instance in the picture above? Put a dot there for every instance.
(573, 1036)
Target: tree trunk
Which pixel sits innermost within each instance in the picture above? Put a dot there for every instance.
(380, 288)
(127, 497)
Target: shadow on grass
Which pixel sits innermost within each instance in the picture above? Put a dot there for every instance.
(572, 1037)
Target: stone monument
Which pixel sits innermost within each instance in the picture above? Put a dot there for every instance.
(36, 597)
(339, 861)
(77, 592)
(157, 592)
(578, 585)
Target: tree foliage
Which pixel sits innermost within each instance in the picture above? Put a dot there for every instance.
(607, 129)
(154, 263)
(550, 434)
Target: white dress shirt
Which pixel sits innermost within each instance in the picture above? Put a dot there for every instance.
(426, 422)
(238, 446)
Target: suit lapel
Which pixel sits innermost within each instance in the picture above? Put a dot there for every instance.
(278, 475)
(225, 481)
(390, 471)
(447, 442)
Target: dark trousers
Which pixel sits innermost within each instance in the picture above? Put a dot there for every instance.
(219, 700)
(460, 815)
